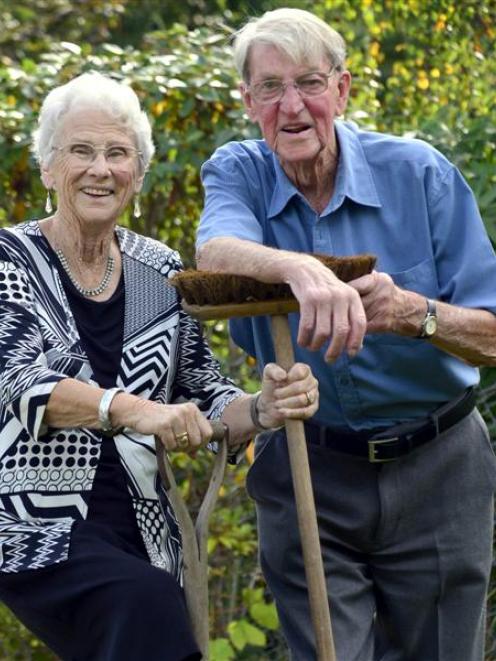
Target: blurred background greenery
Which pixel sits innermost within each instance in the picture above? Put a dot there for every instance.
(424, 69)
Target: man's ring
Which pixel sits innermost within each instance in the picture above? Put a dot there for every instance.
(182, 440)
(309, 399)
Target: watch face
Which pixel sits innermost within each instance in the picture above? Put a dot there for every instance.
(430, 326)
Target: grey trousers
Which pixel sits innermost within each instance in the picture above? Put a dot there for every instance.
(406, 545)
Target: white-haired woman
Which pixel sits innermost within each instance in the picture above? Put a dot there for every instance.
(97, 358)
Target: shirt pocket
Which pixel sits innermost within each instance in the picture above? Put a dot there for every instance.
(421, 278)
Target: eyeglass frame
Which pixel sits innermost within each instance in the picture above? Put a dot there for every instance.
(96, 151)
(294, 83)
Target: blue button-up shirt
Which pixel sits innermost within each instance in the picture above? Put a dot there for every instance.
(395, 197)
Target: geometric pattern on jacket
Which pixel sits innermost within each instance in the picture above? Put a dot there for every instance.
(46, 475)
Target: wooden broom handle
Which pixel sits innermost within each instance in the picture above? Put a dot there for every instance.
(305, 506)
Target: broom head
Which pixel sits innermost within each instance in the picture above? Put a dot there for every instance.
(200, 288)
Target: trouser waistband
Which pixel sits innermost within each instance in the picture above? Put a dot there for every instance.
(382, 445)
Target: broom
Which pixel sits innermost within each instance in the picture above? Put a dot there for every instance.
(210, 295)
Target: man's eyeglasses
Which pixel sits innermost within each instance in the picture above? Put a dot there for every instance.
(85, 152)
(272, 90)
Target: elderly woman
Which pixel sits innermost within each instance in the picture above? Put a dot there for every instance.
(97, 359)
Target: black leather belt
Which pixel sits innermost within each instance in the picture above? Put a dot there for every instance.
(383, 445)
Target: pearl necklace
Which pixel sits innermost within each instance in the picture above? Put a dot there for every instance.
(82, 290)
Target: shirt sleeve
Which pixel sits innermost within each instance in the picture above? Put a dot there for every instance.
(230, 207)
(26, 382)
(465, 259)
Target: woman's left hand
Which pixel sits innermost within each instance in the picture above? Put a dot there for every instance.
(293, 394)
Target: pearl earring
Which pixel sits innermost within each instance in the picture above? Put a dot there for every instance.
(137, 207)
(48, 203)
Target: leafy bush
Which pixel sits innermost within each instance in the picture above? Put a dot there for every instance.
(425, 69)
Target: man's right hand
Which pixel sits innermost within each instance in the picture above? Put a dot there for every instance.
(330, 310)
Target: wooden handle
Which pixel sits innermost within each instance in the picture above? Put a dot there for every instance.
(305, 507)
(250, 309)
(220, 431)
(195, 535)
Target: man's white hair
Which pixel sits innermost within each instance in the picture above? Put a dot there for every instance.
(92, 91)
(299, 34)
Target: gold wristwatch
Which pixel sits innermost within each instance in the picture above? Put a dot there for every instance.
(429, 325)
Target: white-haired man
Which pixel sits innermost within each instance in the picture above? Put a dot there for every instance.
(402, 467)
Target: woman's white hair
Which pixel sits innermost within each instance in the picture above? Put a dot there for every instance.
(299, 34)
(93, 91)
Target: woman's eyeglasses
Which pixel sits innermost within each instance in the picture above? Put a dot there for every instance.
(87, 153)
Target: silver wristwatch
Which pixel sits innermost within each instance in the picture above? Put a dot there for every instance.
(429, 325)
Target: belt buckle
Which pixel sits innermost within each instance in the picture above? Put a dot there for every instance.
(372, 443)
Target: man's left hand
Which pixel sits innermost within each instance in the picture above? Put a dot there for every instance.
(389, 308)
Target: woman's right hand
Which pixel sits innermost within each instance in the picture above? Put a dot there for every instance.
(178, 426)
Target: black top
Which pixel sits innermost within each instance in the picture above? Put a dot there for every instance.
(101, 328)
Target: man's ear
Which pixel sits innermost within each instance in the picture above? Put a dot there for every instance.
(343, 90)
(248, 101)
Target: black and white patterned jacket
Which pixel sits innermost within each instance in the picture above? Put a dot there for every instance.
(46, 475)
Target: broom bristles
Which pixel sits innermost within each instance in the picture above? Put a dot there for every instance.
(213, 288)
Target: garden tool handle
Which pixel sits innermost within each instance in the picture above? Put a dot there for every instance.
(305, 506)
(220, 431)
(195, 536)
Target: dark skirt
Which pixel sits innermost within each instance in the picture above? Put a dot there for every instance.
(105, 603)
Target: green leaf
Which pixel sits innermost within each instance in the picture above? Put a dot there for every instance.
(252, 596)
(236, 633)
(243, 633)
(255, 636)
(220, 650)
(265, 615)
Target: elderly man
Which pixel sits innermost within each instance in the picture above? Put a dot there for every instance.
(402, 467)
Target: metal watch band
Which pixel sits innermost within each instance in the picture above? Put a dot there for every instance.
(104, 408)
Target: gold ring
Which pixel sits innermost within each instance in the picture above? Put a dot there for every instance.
(309, 399)
(182, 440)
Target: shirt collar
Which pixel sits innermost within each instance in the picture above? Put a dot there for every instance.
(353, 180)
(284, 190)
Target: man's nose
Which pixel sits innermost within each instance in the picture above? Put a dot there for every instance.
(291, 101)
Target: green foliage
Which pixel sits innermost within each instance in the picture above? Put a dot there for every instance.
(264, 614)
(220, 649)
(423, 69)
(29, 28)
(17, 643)
(242, 633)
